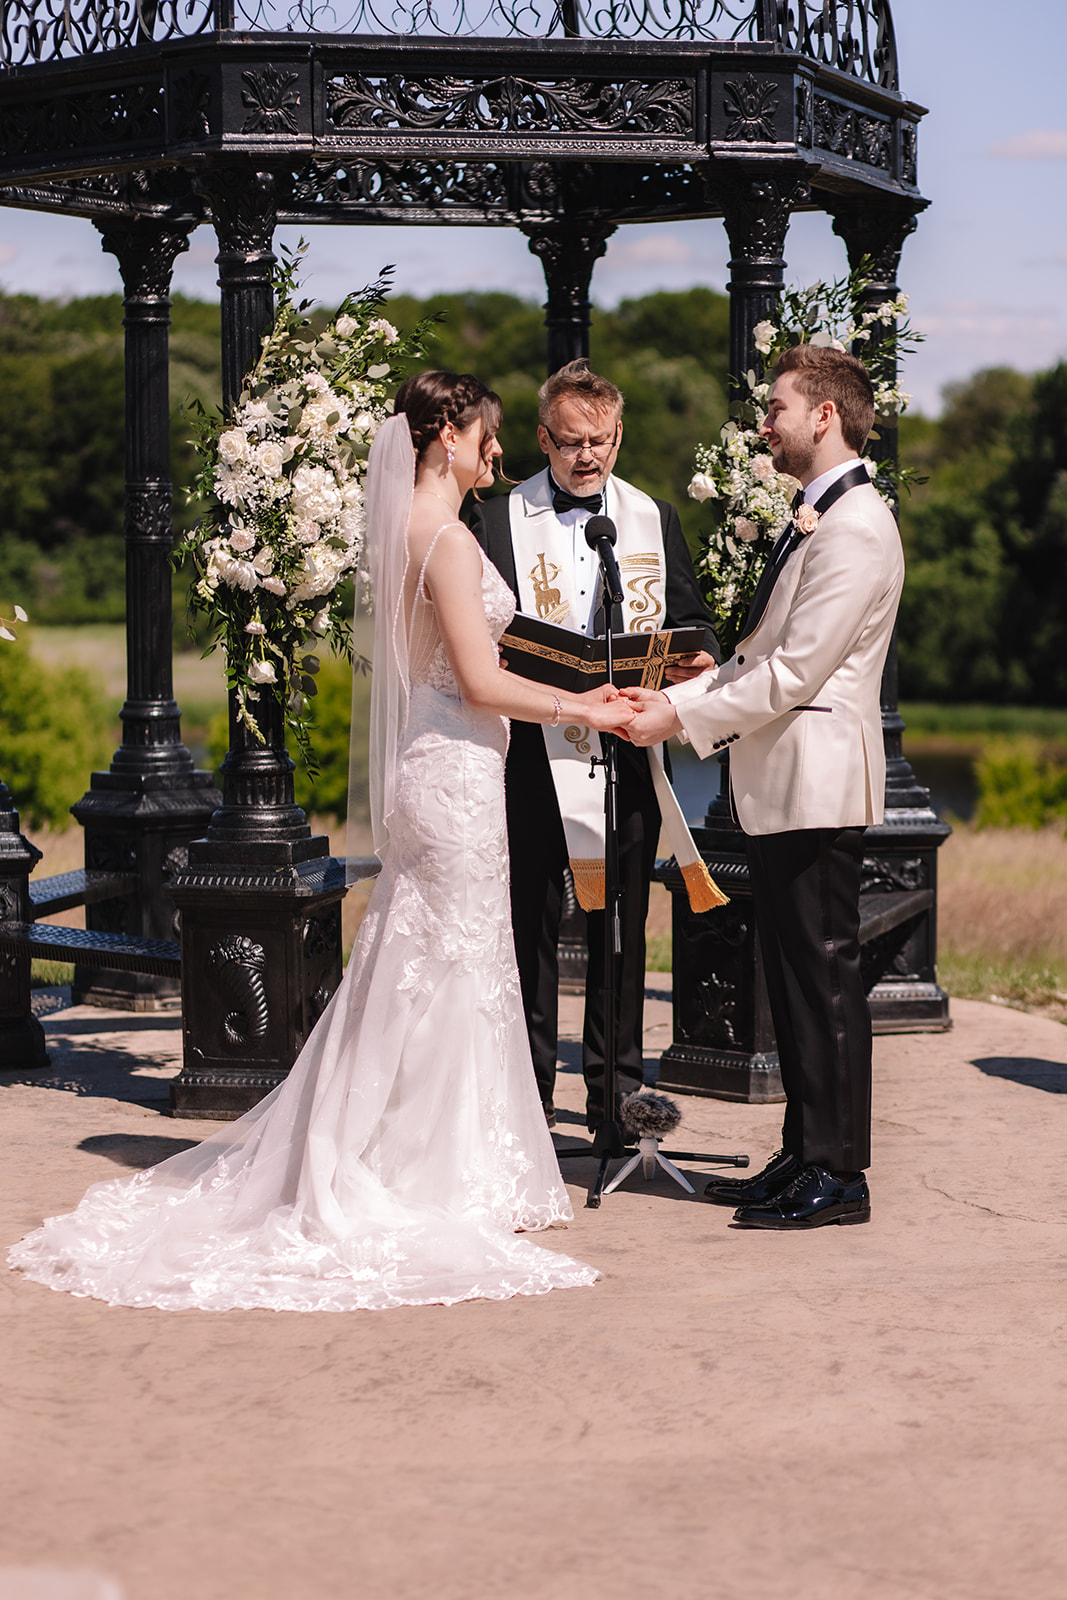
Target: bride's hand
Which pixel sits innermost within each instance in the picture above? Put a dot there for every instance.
(605, 710)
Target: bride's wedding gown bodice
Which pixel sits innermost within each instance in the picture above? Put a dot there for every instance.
(408, 1145)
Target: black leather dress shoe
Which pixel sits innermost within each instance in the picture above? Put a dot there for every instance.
(811, 1200)
(779, 1171)
(550, 1113)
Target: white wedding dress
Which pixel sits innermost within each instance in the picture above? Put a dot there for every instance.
(408, 1144)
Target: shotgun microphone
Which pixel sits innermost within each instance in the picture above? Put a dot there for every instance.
(600, 535)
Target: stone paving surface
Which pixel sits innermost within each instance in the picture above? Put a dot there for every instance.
(878, 1411)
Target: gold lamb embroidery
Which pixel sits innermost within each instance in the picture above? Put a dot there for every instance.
(547, 598)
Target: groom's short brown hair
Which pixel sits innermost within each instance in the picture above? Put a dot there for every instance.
(824, 374)
(575, 381)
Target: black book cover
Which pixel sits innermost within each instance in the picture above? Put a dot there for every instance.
(572, 661)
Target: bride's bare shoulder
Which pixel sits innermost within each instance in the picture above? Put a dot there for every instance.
(431, 528)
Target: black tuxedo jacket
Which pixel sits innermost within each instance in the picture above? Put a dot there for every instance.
(490, 522)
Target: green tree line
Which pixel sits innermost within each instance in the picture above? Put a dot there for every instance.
(985, 535)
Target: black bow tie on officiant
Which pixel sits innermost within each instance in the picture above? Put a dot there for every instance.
(562, 501)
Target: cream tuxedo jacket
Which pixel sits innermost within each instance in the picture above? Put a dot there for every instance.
(799, 701)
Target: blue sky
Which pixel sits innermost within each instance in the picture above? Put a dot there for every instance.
(986, 271)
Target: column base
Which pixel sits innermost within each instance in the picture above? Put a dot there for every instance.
(721, 1074)
(22, 1045)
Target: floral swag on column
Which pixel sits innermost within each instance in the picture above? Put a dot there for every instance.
(282, 482)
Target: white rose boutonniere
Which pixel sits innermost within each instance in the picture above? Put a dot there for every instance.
(805, 519)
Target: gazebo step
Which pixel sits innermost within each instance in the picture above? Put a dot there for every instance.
(118, 952)
(81, 888)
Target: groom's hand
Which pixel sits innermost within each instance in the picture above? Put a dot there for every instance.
(656, 718)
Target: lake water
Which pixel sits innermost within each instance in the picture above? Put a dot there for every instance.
(949, 778)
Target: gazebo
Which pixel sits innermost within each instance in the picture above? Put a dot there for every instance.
(153, 117)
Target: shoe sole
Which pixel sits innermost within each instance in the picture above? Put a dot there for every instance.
(784, 1225)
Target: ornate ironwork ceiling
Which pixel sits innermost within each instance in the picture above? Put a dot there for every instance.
(449, 110)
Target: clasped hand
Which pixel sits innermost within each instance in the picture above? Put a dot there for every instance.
(607, 710)
(656, 718)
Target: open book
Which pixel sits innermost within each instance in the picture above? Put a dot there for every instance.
(567, 660)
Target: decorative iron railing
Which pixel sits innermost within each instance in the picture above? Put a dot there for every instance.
(855, 36)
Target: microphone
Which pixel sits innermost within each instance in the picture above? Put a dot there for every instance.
(600, 535)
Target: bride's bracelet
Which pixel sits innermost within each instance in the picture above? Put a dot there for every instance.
(555, 720)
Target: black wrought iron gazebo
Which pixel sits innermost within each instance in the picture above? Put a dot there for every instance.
(151, 117)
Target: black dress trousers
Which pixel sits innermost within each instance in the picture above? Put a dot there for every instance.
(805, 887)
(538, 849)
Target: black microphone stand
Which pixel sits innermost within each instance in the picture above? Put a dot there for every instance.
(608, 1141)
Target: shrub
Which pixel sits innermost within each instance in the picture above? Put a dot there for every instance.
(1018, 787)
(55, 729)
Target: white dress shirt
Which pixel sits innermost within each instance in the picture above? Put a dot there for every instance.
(586, 562)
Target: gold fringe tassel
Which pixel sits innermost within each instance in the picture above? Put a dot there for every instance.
(704, 893)
(589, 884)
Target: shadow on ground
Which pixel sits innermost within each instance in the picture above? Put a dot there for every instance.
(1048, 1075)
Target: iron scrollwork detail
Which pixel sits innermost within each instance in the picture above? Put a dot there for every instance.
(241, 964)
(146, 253)
(857, 135)
(96, 119)
(510, 105)
(477, 186)
(751, 105)
(891, 874)
(756, 213)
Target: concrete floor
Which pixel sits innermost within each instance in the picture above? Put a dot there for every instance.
(879, 1411)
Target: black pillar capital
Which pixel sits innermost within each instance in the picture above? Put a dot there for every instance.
(568, 249)
(756, 214)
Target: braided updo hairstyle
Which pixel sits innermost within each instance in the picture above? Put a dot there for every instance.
(429, 400)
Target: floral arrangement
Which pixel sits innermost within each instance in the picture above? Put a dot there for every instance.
(7, 628)
(753, 502)
(281, 478)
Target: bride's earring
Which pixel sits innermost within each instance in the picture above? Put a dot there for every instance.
(450, 452)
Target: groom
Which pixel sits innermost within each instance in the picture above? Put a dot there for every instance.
(799, 705)
(535, 537)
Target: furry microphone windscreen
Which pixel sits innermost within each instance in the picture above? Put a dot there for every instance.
(644, 1115)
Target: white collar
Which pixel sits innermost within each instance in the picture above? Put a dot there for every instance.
(818, 486)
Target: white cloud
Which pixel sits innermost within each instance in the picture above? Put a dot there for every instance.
(1040, 144)
(651, 250)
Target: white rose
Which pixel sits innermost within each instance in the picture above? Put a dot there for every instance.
(745, 529)
(362, 421)
(270, 459)
(233, 446)
(262, 672)
(321, 620)
(763, 337)
(345, 327)
(763, 469)
(274, 585)
(701, 487)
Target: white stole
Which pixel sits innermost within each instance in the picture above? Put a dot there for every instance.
(544, 572)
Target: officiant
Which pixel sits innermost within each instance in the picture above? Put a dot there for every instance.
(535, 538)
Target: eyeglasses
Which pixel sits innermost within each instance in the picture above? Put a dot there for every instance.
(596, 447)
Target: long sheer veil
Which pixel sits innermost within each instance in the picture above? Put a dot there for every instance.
(390, 486)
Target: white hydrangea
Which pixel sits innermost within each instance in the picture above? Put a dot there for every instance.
(316, 496)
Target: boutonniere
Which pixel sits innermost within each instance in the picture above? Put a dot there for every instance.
(805, 519)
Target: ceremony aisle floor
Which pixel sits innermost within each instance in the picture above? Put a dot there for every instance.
(878, 1411)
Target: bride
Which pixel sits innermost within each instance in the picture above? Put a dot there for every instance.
(407, 1148)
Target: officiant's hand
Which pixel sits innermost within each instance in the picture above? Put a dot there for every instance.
(656, 718)
(692, 666)
(606, 709)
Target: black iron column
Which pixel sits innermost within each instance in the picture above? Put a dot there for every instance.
(723, 1041)
(140, 815)
(260, 898)
(568, 251)
(902, 853)
(22, 1043)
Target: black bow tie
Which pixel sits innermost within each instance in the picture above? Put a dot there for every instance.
(563, 501)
